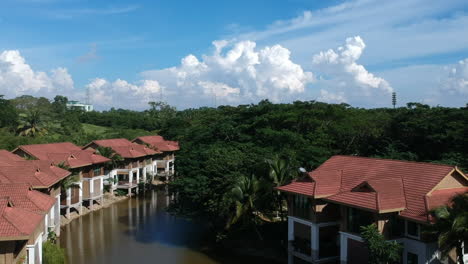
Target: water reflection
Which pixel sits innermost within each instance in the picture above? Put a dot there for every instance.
(134, 230)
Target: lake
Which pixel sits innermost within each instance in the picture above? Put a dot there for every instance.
(138, 230)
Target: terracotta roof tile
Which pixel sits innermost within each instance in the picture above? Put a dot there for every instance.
(125, 148)
(37, 173)
(72, 155)
(24, 197)
(393, 184)
(16, 222)
(159, 143)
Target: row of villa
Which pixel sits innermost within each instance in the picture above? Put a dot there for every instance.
(32, 201)
(327, 207)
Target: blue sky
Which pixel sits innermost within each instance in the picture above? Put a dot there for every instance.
(202, 53)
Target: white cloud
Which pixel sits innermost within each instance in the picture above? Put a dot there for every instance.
(328, 97)
(415, 28)
(341, 72)
(122, 94)
(457, 80)
(17, 77)
(240, 74)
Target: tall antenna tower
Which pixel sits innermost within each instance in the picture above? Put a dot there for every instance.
(88, 96)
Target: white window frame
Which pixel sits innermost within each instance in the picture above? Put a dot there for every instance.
(418, 237)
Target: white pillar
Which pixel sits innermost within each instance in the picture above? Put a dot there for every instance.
(39, 243)
(80, 194)
(68, 192)
(91, 193)
(130, 179)
(314, 240)
(343, 248)
(144, 173)
(57, 215)
(30, 249)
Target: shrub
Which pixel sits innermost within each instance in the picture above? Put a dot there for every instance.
(53, 254)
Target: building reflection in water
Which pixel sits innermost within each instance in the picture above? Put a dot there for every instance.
(137, 229)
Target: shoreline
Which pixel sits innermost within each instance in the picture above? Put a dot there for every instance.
(108, 200)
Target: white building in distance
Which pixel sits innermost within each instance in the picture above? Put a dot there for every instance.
(81, 106)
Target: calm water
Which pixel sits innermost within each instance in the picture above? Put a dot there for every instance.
(136, 230)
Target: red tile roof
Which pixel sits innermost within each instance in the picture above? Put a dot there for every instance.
(443, 197)
(159, 143)
(37, 173)
(125, 148)
(72, 155)
(17, 223)
(24, 197)
(302, 186)
(7, 157)
(376, 184)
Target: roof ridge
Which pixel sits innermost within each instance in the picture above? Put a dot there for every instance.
(404, 161)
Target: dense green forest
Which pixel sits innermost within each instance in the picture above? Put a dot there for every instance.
(231, 157)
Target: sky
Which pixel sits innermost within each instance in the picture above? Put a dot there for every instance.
(210, 53)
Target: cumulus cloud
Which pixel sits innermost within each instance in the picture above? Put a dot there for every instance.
(457, 80)
(329, 97)
(17, 77)
(123, 94)
(342, 72)
(235, 72)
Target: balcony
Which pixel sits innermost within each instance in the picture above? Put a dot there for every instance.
(126, 184)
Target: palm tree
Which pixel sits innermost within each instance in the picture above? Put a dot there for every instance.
(245, 196)
(281, 173)
(70, 181)
(109, 153)
(451, 226)
(30, 124)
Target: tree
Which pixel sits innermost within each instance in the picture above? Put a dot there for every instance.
(281, 173)
(59, 105)
(8, 114)
(109, 153)
(380, 250)
(31, 124)
(451, 226)
(70, 181)
(245, 196)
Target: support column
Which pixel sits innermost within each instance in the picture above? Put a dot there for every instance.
(137, 179)
(68, 192)
(290, 240)
(102, 190)
(30, 249)
(144, 174)
(91, 193)
(343, 249)
(130, 179)
(57, 215)
(314, 240)
(80, 197)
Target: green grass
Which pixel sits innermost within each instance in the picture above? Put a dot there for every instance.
(93, 129)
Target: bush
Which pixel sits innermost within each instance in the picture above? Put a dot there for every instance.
(53, 254)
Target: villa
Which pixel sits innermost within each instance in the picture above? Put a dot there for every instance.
(86, 165)
(137, 161)
(328, 206)
(23, 223)
(42, 176)
(163, 164)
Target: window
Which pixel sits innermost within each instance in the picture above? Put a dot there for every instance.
(397, 226)
(358, 218)
(411, 258)
(301, 202)
(97, 171)
(412, 229)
